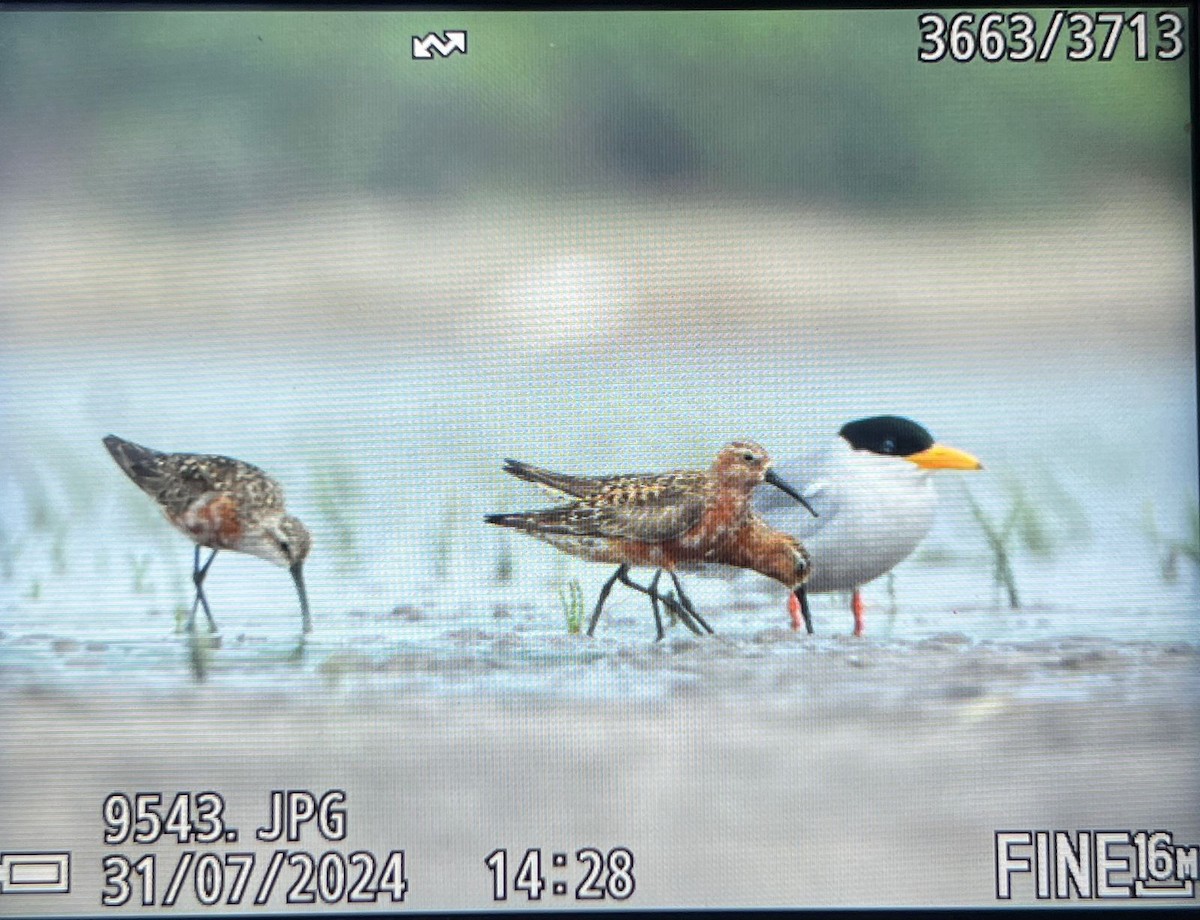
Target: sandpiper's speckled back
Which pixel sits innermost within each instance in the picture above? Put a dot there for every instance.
(175, 481)
(221, 503)
(648, 507)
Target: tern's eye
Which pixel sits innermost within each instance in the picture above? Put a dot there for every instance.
(286, 547)
(889, 445)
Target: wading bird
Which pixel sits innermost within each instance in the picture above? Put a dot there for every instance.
(758, 547)
(872, 490)
(648, 519)
(219, 503)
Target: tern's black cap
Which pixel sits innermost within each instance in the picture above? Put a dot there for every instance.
(890, 435)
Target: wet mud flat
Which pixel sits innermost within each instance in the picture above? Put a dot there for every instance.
(764, 770)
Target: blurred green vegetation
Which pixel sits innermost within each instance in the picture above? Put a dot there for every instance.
(445, 539)
(503, 569)
(1172, 549)
(337, 494)
(1039, 516)
(44, 537)
(200, 115)
(570, 596)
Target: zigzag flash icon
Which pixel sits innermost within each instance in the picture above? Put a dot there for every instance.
(445, 44)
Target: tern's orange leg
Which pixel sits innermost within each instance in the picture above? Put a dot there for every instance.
(794, 611)
(798, 610)
(860, 612)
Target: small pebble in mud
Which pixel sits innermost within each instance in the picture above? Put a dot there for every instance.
(951, 638)
(686, 688)
(855, 662)
(408, 612)
(1180, 650)
(724, 647)
(744, 605)
(501, 613)
(962, 691)
(407, 664)
(771, 636)
(84, 661)
(64, 646)
(340, 663)
(469, 635)
(626, 654)
(97, 646)
(1085, 660)
(682, 644)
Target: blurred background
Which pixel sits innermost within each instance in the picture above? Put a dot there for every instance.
(599, 242)
(573, 173)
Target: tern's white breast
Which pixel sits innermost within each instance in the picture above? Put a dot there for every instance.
(873, 512)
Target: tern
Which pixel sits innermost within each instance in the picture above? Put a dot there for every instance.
(875, 500)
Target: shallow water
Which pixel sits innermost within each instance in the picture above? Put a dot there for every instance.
(393, 457)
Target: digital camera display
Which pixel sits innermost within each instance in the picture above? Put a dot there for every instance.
(625, 458)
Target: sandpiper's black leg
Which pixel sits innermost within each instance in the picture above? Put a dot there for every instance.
(604, 592)
(198, 573)
(674, 608)
(671, 604)
(196, 579)
(688, 605)
(677, 610)
(802, 596)
(658, 627)
(681, 613)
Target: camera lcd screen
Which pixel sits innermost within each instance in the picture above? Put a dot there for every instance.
(616, 458)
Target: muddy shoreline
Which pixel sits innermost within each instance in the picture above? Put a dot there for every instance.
(841, 772)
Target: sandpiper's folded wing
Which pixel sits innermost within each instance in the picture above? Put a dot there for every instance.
(559, 483)
(647, 511)
(175, 481)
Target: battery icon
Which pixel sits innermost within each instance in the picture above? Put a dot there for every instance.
(35, 873)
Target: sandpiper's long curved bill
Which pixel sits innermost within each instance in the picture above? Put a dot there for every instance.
(298, 578)
(773, 478)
